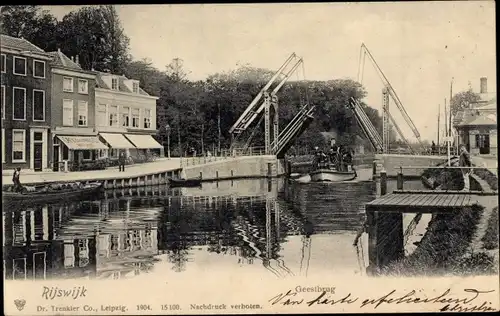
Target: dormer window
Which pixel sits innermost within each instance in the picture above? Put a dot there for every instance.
(135, 87)
(114, 83)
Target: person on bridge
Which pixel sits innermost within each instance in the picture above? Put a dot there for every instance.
(433, 148)
(465, 163)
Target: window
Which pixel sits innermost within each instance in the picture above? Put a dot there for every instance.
(38, 105)
(147, 118)
(37, 136)
(113, 115)
(65, 153)
(103, 153)
(19, 66)
(87, 155)
(135, 117)
(101, 115)
(114, 83)
(82, 113)
(4, 63)
(2, 99)
(3, 145)
(83, 86)
(135, 87)
(68, 84)
(18, 145)
(125, 115)
(38, 69)
(68, 112)
(19, 104)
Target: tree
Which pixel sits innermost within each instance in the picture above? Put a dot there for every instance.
(29, 22)
(463, 100)
(96, 35)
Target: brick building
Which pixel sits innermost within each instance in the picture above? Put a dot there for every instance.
(25, 97)
(73, 113)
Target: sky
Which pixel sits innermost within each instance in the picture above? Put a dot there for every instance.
(420, 46)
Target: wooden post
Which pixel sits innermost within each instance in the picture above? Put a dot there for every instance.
(383, 182)
(374, 168)
(400, 179)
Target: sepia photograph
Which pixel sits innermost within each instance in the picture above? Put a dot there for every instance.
(258, 158)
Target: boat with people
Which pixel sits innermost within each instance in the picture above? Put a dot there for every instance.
(328, 173)
(335, 166)
(50, 192)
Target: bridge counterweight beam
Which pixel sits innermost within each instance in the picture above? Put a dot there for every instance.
(267, 121)
(385, 121)
(274, 103)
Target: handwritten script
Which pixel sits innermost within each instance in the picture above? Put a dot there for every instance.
(469, 300)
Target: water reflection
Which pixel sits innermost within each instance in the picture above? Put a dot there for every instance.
(276, 227)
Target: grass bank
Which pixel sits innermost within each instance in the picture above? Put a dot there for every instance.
(490, 238)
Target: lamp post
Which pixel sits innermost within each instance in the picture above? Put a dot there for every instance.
(167, 128)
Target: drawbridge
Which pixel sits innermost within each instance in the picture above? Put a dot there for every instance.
(388, 120)
(265, 107)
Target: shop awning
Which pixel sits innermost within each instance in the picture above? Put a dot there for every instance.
(143, 141)
(116, 140)
(82, 142)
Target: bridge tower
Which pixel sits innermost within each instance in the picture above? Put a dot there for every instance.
(385, 121)
(270, 123)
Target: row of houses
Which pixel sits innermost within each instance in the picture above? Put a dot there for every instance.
(54, 111)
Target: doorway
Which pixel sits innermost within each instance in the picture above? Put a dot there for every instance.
(55, 158)
(38, 156)
(483, 143)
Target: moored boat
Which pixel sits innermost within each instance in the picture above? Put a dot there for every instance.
(184, 182)
(52, 192)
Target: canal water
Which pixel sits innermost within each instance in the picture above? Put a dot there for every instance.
(273, 228)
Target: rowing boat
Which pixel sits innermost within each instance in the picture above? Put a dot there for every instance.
(184, 182)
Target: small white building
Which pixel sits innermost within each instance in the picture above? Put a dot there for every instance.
(125, 116)
(477, 124)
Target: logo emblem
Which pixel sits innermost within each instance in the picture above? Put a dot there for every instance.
(20, 304)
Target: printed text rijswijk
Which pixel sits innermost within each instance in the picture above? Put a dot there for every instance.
(50, 293)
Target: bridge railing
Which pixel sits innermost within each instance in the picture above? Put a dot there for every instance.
(224, 154)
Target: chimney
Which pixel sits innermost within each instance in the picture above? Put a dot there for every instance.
(484, 85)
(58, 50)
(77, 60)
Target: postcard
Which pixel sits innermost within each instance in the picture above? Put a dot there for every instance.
(249, 158)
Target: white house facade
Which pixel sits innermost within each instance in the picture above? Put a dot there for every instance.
(125, 116)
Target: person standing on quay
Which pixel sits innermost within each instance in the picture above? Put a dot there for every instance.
(465, 163)
(16, 180)
(121, 161)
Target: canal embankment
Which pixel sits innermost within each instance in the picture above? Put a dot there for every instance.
(245, 167)
(459, 243)
(158, 172)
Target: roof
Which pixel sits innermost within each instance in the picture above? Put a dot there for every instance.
(470, 117)
(63, 61)
(121, 83)
(19, 44)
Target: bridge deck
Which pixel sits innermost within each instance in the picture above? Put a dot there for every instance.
(425, 201)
